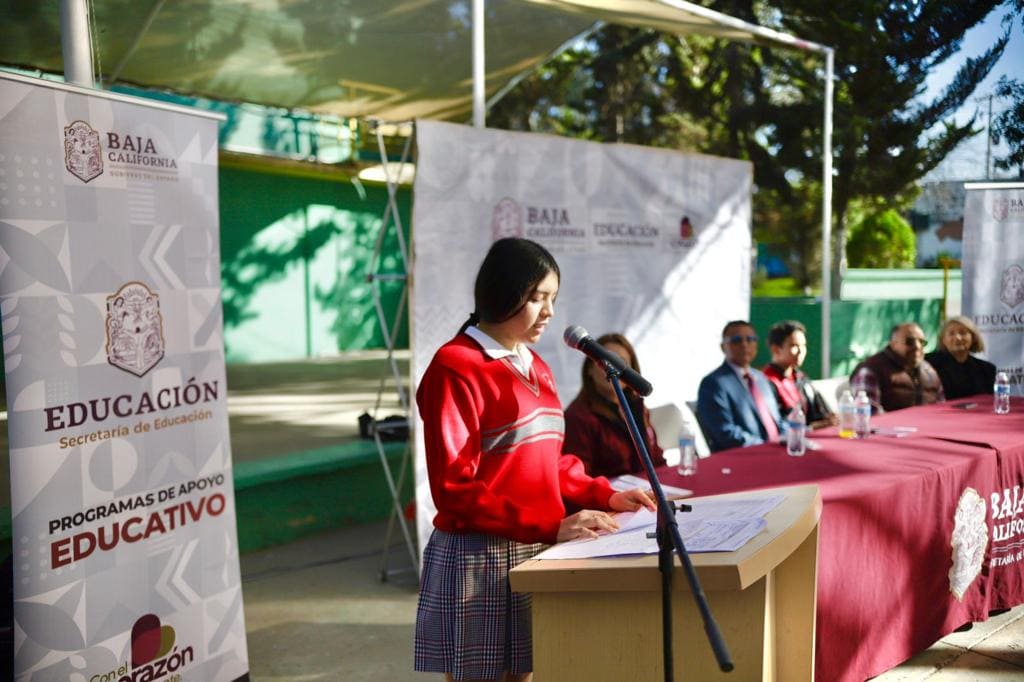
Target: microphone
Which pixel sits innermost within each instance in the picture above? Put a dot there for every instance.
(578, 338)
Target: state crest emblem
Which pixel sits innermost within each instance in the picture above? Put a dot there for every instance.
(1011, 291)
(968, 542)
(135, 330)
(83, 156)
(1000, 208)
(507, 220)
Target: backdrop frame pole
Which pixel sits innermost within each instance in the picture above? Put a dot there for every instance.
(75, 43)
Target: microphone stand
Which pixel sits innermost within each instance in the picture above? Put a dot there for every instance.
(669, 538)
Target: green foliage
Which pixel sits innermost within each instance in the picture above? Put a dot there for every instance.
(784, 287)
(882, 240)
(615, 86)
(1009, 125)
(792, 220)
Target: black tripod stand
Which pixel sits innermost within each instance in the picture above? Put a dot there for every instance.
(669, 538)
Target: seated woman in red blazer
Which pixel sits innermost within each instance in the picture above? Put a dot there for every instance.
(594, 428)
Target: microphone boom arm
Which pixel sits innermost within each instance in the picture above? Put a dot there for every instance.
(669, 537)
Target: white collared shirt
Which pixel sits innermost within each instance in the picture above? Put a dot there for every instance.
(521, 358)
(741, 372)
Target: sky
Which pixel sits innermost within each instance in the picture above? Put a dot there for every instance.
(967, 162)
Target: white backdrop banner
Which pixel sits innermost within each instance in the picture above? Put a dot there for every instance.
(651, 243)
(993, 273)
(125, 551)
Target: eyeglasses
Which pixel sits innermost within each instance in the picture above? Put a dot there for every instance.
(914, 341)
(740, 339)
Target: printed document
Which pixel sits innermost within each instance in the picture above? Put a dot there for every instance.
(712, 526)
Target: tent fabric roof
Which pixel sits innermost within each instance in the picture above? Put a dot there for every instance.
(389, 59)
(677, 16)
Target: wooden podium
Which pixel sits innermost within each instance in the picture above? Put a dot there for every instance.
(600, 619)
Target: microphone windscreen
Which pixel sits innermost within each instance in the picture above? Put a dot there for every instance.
(574, 335)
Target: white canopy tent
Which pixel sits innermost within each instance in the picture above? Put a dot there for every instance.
(388, 59)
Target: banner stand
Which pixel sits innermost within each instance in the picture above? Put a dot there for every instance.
(992, 267)
(122, 496)
(392, 175)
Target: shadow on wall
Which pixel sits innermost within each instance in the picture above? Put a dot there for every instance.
(294, 258)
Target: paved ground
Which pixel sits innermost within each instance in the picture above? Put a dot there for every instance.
(316, 610)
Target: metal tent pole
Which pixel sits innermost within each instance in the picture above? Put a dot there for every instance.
(479, 76)
(826, 222)
(75, 43)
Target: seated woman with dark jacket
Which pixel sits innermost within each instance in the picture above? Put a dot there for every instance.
(961, 373)
(595, 430)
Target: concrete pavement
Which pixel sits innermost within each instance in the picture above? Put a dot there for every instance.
(316, 609)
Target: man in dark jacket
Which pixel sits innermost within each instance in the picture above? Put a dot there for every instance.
(899, 376)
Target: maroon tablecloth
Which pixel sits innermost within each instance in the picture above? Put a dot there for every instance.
(888, 562)
(969, 420)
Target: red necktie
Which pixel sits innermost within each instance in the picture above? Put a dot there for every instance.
(762, 409)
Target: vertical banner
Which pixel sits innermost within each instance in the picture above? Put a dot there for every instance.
(993, 272)
(125, 549)
(651, 243)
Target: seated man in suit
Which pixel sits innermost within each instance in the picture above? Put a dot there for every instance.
(899, 376)
(735, 403)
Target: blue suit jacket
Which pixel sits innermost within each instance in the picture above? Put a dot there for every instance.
(726, 409)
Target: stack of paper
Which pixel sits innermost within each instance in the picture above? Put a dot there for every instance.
(715, 525)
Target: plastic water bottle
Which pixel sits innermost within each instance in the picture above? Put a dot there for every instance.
(847, 416)
(796, 432)
(1002, 393)
(687, 452)
(862, 415)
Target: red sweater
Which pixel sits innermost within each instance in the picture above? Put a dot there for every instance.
(493, 444)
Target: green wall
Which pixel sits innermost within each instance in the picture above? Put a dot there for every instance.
(859, 328)
(294, 257)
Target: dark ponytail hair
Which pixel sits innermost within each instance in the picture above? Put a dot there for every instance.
(510, 271)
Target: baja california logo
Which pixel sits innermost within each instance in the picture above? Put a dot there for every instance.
(507, 220)
(969, 541)
(1012, 290)
(83, 156)
(1000, 208)
(135, 330)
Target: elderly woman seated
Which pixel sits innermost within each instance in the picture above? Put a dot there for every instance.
(961, 373)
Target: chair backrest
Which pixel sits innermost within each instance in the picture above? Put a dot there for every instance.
(667, 421)
(831, 389)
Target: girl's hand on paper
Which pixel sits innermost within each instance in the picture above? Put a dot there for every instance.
(586, 524)
(631, 500)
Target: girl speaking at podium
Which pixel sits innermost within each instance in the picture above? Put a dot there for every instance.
(493, 428)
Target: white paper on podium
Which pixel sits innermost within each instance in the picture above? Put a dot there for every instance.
(731, 509)
(629, 481)
(712, 526)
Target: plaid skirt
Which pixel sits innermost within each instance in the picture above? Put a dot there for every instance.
(469, 623)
